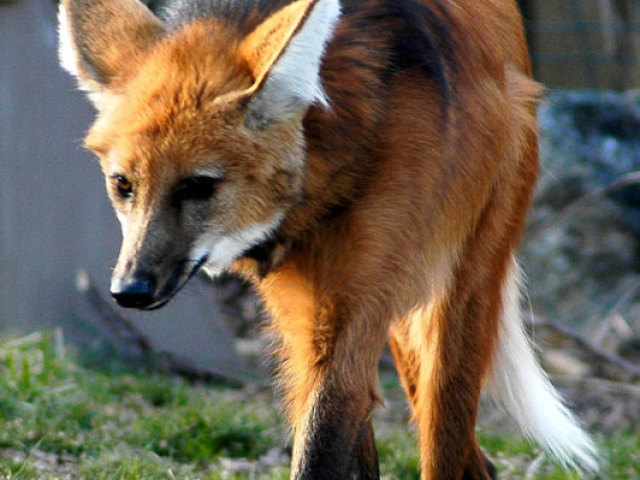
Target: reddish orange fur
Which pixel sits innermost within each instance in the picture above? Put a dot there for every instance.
(477, 183)
(401, 222)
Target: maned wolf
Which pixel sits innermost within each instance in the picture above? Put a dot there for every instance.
(368, 164)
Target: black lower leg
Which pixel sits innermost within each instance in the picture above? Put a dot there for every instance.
(337, 442)
(364, 460)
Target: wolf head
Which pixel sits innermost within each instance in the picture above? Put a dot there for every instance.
(198, 132)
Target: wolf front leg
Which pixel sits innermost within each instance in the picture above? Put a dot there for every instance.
(329, 353)
(334, 437)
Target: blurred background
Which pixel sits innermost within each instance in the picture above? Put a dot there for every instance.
(59, 237)
(591, 44)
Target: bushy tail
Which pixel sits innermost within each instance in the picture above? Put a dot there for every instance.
(518, 383)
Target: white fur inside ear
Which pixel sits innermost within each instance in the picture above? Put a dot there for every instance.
(295, 77)
(67, 52)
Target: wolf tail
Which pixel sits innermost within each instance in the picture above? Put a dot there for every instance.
(518, 383)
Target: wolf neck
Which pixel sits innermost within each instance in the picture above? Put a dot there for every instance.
(357, 72)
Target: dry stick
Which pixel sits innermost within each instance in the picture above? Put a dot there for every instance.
(615, 312)
(124, 330)
(602, 384)
(579, 204)
(586, 344)
(534, 467)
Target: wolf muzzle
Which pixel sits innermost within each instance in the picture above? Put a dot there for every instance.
(135, 291)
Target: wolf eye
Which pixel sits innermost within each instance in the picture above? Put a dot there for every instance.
(198, 188)
(124, 187)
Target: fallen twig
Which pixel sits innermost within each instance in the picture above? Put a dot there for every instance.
(580, 203)
(534, 467)
(614, 315)
(586, 344)
(601, 384)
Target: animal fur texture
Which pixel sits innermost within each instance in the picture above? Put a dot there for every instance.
(368, 164)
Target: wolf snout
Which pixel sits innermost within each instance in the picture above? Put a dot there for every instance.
(134, 291)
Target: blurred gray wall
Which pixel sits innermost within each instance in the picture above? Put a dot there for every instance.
(54, 214)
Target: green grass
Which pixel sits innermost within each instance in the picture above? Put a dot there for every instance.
(61, 420)
(513, 456)
(119, 425)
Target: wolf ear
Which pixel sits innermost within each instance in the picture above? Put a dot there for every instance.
(284, 53)
(99, 37)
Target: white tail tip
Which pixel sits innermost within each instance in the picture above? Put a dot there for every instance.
(518, 383)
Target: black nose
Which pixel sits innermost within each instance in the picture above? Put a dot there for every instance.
(135, 291)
